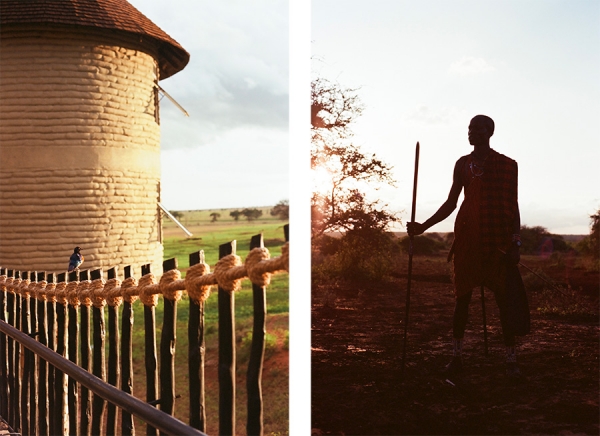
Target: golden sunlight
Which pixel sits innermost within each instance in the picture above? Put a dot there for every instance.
(321, 179)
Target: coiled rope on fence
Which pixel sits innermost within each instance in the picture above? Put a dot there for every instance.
(228, 275)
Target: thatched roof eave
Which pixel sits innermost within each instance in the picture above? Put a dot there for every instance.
(113, 15)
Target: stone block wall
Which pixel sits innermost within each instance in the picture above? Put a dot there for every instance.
(79, 149)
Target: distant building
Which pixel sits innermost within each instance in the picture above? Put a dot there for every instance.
(79, 133)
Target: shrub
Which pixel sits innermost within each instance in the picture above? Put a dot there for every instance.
(423, 245)
(364, 254)
(326, 245)
(537, 240)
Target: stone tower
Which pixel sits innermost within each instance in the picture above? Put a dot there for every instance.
(80, 134)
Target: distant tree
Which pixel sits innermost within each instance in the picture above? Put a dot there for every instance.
(215, 216)
(281, 210)
(591, 244)
(595, 235)
(177, 214)
(235, 214)
(252, 214)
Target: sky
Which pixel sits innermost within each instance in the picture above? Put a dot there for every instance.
(232, 151)
(425, 68)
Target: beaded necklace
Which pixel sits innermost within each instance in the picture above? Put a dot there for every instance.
(477, 170)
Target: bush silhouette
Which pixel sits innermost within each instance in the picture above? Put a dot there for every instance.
(422, 245)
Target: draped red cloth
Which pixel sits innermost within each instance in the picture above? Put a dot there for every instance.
(484, 223)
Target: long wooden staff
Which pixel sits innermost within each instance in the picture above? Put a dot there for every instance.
(485, 341)
(410, 255)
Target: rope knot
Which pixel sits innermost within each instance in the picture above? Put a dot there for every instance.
(51, 292)
(84, 293)
(24, 288)
(148, 290)
(229, 272)
(12, 285)
(40, 290)
(284, 259)
(168, 285)
(97, 293)
(61, 295)
(129, 290)
(112, 292)
(72, 293)
(258, 272)
(195, 284)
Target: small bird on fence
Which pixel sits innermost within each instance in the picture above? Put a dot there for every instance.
(76, 259)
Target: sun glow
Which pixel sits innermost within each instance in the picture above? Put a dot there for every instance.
(322, 180)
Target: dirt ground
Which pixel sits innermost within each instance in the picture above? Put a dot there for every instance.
(357, 386)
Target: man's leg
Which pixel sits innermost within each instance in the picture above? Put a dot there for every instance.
(461, 315)
(508, 337)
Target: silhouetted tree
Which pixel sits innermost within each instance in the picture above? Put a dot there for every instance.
(235, 214)
(215, 216)
(341, 206)
(333, 108)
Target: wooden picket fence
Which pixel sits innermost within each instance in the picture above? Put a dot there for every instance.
(54, 375)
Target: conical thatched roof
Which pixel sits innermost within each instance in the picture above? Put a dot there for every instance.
(105, 14)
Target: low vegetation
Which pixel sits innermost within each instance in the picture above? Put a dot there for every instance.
(565, 262)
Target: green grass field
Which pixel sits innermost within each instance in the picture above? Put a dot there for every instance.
(207, 236)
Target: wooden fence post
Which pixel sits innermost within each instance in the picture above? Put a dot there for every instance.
(60, 379)
(42, 375)
(226, 303)
(99, 369)
(196, 354)
(35, 361)
(10, 319)
(85, 399)
(167, 348)
(51, 335)
(150, 355)
(127, 426)
(113, 356)
(17, 365)
(27, 355)
(73, 351)
(3, 354)
(257, 353)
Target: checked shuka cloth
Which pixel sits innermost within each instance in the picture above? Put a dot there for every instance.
(484, 223)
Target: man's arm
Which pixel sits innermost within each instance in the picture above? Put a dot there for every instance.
(514, 253)
(445, 209)
(517, 222)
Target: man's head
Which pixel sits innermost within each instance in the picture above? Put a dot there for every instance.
(481, 128)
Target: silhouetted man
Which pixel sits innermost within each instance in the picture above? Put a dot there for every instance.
(487, 224)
